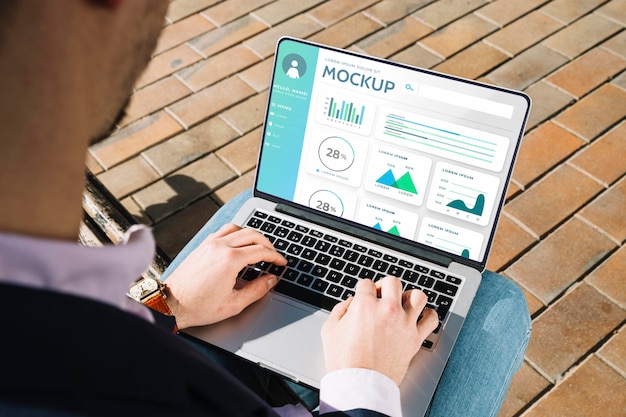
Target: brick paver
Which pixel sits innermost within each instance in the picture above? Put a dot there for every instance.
(192, 131)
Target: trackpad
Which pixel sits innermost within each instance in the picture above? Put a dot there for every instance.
(287, 339)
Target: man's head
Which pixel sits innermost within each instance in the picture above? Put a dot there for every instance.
(67, 68)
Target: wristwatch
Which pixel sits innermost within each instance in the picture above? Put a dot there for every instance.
(151, 292)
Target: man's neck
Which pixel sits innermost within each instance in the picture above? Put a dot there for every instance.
(41, 182)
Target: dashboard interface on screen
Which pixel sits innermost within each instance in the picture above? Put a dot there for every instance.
(412, 153)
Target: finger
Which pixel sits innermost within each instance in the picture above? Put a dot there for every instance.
(253, 291)
(246, 237)
(340, 310)
(257, 253)
(390, 288)
(365, 287)
(428, 323)
(225, 230)
(414, 302)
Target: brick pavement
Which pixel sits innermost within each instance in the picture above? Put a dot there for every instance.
(190, 140)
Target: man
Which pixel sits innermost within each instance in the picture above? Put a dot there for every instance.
(74, 343)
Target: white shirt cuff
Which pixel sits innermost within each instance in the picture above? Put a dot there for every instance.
(349, 389)
(295, 410)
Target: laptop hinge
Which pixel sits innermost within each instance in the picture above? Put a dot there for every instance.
(360, 233)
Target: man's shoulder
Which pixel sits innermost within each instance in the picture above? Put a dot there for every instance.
(76, 350)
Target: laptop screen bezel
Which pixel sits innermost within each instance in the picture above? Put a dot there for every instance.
(411, 247)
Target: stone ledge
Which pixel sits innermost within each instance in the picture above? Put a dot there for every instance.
(105, 221)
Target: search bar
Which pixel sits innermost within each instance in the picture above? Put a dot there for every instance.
(464, 100)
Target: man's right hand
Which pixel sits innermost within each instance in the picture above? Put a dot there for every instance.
(377, 329)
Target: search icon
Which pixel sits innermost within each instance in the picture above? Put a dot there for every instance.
(410, 87)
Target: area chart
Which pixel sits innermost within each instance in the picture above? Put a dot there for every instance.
(451, 238)
(463, 193)
(398, 174)
(405, 182)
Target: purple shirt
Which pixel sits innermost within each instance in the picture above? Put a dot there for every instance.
(105, 273)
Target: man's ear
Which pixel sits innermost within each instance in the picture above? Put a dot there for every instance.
(109, 4)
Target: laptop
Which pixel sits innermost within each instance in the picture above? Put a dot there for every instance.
(370, 168)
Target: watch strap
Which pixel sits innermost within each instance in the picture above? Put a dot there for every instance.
(158, 303)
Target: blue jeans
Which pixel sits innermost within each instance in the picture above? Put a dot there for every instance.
(490, 348)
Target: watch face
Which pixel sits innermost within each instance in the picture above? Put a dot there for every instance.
(149, 284)
(143, 288)
(135, 291)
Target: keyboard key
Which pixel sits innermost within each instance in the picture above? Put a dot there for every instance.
(268, 228)
(345, 243)
(369, 274)
(323, 259)
(390, 259)
(422, 269)
(426, 281)
(405, 264)
(410, 276)
(295, 237)
(331, 238)
(445, 288)
(337, 264)
(395, 270)
(349, 282)
(317, 233)
(351, 256)
(365, 260)
(305, 280)
(352, 269)
(292, 261)
(254, 223)
(281, 245)
(380, 266)
(291, 274)
(431, 295)
(281, 231)
(305, 294)
(319, 271)
(334, 276)
(309, 241)
(336, 250)
(359, 248)
(347, 294)
(375, 253)
(454, 280)
(443, 306)
(334, 290)
(322, 246)
(309, 254)
(288, 224)
(302, 229)
(319, 285)
(274, 219)
(294, 249)
(437, 274)
(276, 270)
(305, 266)
(249, 274)
(260, 214)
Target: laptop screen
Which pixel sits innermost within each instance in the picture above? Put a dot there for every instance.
(409, 153)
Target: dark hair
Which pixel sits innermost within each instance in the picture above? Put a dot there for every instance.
(7, 10)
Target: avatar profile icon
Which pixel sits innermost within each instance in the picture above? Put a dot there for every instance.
(294, 66)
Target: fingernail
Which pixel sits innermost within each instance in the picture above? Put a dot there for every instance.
(271, 282)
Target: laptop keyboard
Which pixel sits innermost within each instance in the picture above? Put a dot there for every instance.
(323, 268)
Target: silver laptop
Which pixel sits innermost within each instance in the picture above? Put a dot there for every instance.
(370, 168)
